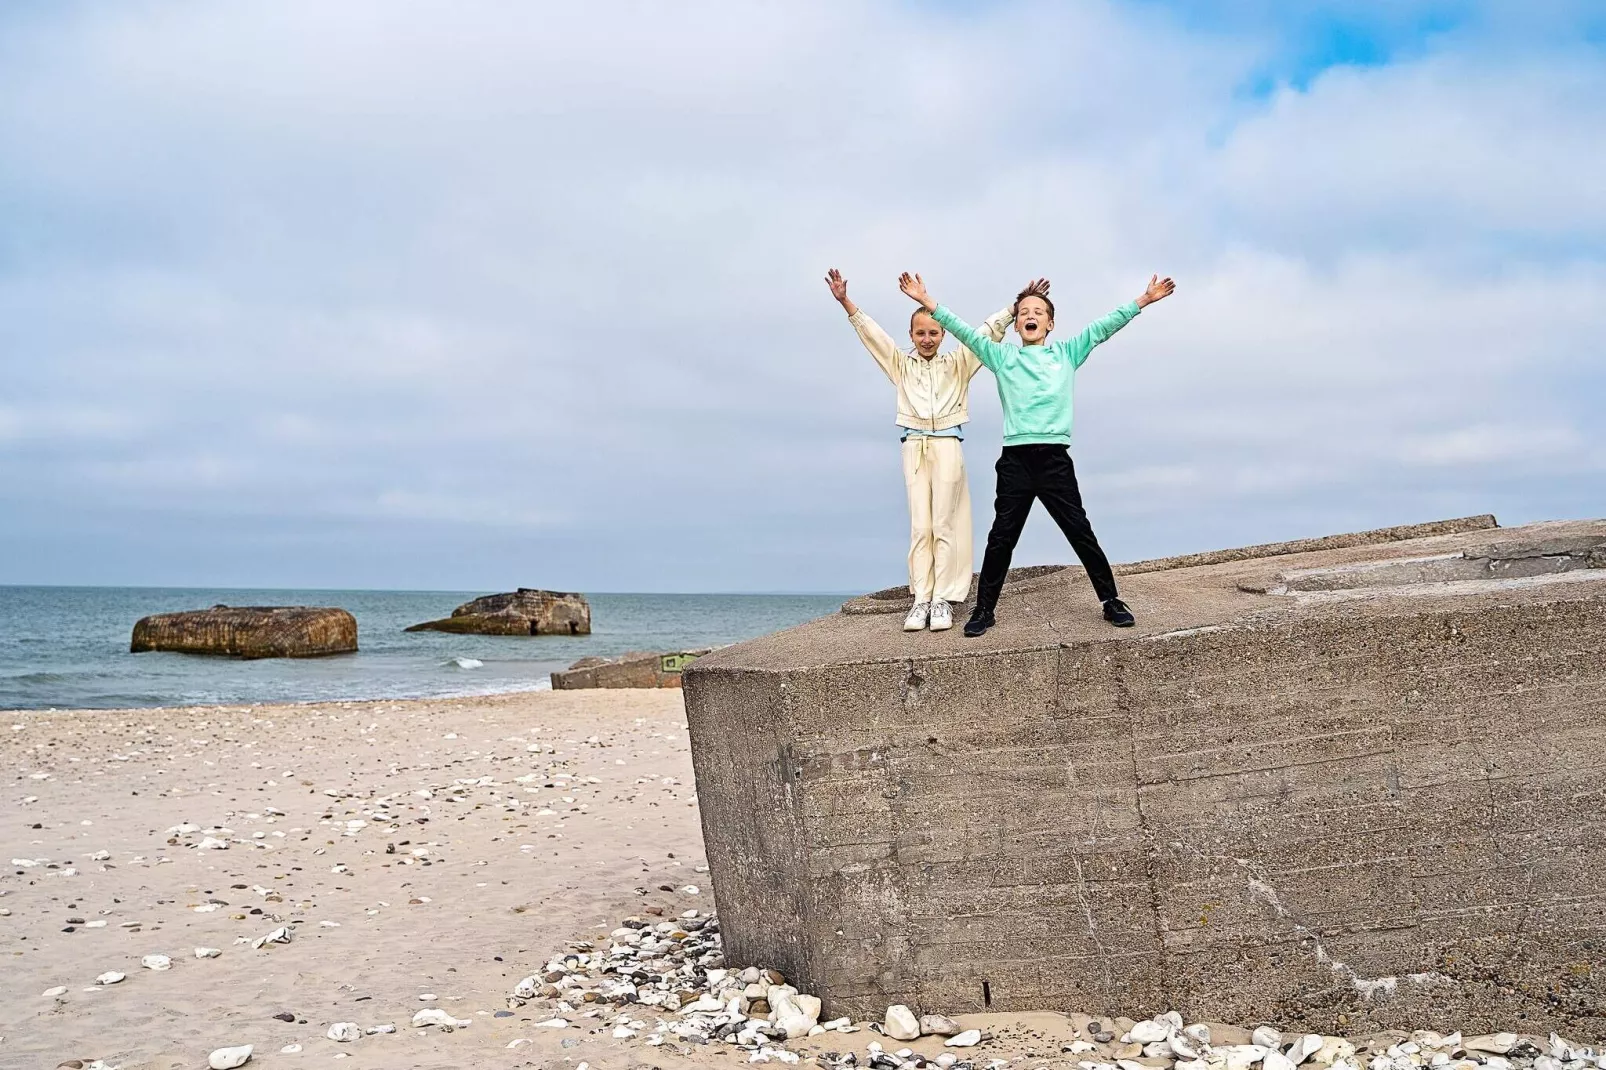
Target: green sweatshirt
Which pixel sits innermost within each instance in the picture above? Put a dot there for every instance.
(1034, 382)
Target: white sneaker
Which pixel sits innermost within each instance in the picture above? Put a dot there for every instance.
(942, 616)
(917, 618)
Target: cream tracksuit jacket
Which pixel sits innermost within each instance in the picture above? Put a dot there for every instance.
(934, 394)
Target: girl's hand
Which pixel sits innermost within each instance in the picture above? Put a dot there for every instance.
(839, 285)
(915, 287)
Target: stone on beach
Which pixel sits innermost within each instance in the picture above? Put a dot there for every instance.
(937, 1025)
(110, 977)
(282, 935)
(900, 1023)
(437, 1017)
(249, 632)
(344, 1032)
(968, 1039)
(527, 611)
(229, 1058)
(156, 962)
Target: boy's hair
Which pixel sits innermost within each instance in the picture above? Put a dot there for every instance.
(1024, 294)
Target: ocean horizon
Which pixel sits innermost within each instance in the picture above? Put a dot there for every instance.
(65, 647)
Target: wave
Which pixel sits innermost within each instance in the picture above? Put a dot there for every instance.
(466, 663)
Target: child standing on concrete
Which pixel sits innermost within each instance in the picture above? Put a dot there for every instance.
(933, 407)
(1034, 386)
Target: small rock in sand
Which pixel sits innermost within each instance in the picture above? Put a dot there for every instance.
(52, 993)
(344, 1032)
(156, 962)
(436, 1016)
(281, 935)
(901, 1023)
(1150, 1032)
(937, 1025)
(110, 977)
(968, 1039)
(207, 952)
(375, 1030)
(1304, 1048)
(1267, 1037)
(229, 1058)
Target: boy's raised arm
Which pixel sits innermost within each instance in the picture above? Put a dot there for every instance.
(986, 350)
(877, 341)
(1102, 328)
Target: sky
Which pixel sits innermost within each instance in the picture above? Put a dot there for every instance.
(470, 295)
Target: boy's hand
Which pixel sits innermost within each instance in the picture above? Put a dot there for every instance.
(1036, 286)
(1158, 290)
(915, 287)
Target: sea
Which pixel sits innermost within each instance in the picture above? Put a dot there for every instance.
(67, 647)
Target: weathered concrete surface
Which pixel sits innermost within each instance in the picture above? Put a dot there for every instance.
(899, 599)
(635, 669)
(249, 632)
(1383, 802)
(526, 611)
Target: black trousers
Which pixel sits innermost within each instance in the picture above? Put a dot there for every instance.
(1038, 473)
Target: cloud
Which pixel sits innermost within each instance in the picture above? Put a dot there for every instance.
(409, 294)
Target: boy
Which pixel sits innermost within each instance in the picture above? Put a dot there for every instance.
(933, 407)
(1034, 385)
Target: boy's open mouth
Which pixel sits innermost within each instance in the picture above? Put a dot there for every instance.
(1030, 325)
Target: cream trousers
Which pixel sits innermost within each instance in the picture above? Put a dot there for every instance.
(939, 518)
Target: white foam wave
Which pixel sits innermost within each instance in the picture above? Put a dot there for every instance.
(466, 663)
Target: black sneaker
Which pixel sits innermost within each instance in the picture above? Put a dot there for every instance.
(979, 622)
(1116, 613)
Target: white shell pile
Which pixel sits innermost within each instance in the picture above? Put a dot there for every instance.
(666, 983)
(1166, 1041)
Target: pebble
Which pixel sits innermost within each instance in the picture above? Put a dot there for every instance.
(1150, 1032)
(156, 962)
(968, 1039)
(1304, 1048)
(436, 1016)
(282, 935)
(290, 1049)
(937, 1025)
(52, 993)
(228, 1058)
(208, 952)
(1267, 1037)
(378, 1029)
(344, 1032)
(900, 1023)
(110, 977)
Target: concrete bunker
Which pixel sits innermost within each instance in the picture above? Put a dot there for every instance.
(1348, 776)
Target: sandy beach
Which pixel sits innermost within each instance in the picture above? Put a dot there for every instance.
(432, 848)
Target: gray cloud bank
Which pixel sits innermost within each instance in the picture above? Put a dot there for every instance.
(469, 295)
